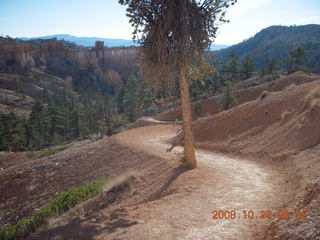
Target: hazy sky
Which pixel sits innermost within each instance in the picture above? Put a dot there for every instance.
(106, 18)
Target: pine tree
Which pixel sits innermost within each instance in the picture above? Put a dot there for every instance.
(4, 132)
(229, 98)
(18, 137)
(35, 122)
(74, 122)
(272, 65)
(132, 98)
(296, 59)
(232, 68)
(45, 126)
(174, 35)
(247, 67)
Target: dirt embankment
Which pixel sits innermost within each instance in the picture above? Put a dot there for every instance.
(275, 139)
(177, 204)
(282, 127)
(280, 130)
(214, 104)
(278, 123)
(28, 184)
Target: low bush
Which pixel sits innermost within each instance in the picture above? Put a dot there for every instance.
(61, 203)
(53, 151)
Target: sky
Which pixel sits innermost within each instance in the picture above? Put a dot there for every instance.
(107, 18)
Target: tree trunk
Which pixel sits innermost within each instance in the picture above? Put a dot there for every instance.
(190, 158)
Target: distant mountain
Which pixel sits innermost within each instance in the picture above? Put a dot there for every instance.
(88, 41)
(277, 41)
(216, 47)
(108, 42)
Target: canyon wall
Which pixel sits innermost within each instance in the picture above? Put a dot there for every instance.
(53, 55)
(16, 55)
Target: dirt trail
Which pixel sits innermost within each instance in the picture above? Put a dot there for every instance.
(218, 183)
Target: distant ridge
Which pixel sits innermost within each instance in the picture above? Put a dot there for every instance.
(87, 41)
(216, 47)
(108, 42)
(277, 41)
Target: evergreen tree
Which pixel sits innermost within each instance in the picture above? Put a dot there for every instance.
(5, 128)
(229, 98)
(18, 86)
(132, 98)
(296, 59)
(247, 67)
(74, 122)
(271, 67)
(35, 122)
(174, 35)
(231, 69)
(83, 120)
(46, 126)
(18, 137)
(201, 77)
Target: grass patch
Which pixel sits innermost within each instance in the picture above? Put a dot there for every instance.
(30, 155)
(53, 151)
(36, 155)
(61, 203)
(178, 122)
(313, 98)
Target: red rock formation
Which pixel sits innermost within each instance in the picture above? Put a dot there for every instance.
(114, 79)
(16, 55)
(55, 52)
(115, 56)
(69, 82)
(54, 49)
(99, 45)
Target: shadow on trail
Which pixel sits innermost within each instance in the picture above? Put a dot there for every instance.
(118, 220)
(86, 228)
(72, 230)
(175, 173)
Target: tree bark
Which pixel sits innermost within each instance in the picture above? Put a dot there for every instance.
(189, 153)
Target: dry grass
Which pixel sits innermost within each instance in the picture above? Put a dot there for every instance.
(281, 156)
(292, 85)
(61, 203)
(285, 114)
(264, 94)
(95, 203)
(313, 98)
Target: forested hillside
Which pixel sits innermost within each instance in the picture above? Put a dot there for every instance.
(90, 41)
(53, 91)
(277, 41)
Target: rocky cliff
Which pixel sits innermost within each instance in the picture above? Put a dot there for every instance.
(16, 55)
(54, 56)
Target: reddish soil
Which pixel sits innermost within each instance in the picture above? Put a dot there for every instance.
(284, 122)
(261, 155)
(180, 207)
(282, 127)
(29, 184)
(213, 105)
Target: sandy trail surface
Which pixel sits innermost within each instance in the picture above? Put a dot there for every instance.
(218, 183)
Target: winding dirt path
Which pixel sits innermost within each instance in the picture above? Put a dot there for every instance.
(218, 183)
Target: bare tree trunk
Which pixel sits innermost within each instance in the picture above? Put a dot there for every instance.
(190, 158)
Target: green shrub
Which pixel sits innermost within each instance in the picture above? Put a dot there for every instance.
(30, 155)
(61, 203)
(198, 110)
(178, 122)
(53, 151)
